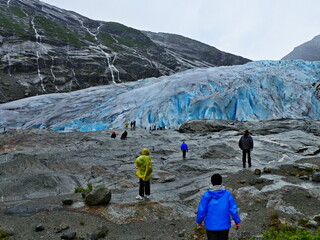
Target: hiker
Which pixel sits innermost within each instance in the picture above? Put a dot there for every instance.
(246, 145)
(215, 208)
(113, 135)
(184, 149)
(144, 165)
(124, 135)
(127, 124)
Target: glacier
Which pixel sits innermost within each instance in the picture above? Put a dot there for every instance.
(261, 90)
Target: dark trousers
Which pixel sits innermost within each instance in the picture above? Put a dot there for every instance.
(244, 153)
(184, 153)
(218, 235)
(144, 187)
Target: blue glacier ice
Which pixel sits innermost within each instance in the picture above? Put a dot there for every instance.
(261, 90)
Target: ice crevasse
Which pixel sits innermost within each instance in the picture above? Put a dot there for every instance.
(261, 90)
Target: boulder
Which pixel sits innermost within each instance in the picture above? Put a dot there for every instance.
(39, 227)
(101, 231)
(68, 235)
(257, 172)
(316, 176)
(304, 177)
(312, 224)
(91, 236)
(67, 202)
(266, 170)
(61, 228)
(317, 218)
(99, 196)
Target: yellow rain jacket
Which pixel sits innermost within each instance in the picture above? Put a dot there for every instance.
(144, 165)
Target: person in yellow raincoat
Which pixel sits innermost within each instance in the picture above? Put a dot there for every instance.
(144, 165)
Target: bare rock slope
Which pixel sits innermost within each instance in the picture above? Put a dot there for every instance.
(39, 169)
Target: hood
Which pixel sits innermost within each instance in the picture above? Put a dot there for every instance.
(145, 151)
(217, 191)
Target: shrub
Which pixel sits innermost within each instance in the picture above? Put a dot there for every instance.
(290, 233)
(4, 235)
(81, 189)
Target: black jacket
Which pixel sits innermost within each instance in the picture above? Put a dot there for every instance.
(246, 143)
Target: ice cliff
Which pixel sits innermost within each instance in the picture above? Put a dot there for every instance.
(260, 90)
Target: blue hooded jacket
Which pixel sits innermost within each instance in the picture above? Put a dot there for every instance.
(184, 146)
(215, 208)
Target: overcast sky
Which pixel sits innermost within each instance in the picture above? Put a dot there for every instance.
(255, 29)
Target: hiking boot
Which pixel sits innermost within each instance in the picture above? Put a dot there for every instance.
(139, 197)
(147, 196)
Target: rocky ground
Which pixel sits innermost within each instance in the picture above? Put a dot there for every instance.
(40, 168)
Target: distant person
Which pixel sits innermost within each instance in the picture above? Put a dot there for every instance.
(144, 165)
(215, 208)
(126, 124)
(113, 135)
(246, 145)
(184, 149)
(124, 135)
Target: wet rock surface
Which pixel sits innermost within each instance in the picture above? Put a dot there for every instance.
(40, 169)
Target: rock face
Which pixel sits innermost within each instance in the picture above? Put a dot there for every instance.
(189, 50)
(309, 51)
(44, 49)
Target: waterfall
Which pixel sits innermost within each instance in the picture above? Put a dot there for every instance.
(109, 62)
(38, 39)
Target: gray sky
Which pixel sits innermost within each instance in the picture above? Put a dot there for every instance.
(255, 29)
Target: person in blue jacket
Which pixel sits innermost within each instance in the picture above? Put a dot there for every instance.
(215, 208)
(184, 149)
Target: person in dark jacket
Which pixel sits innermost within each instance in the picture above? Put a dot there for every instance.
(246, 145)
(124, 135)
(184, 149)
(215, 208)
(113, 135)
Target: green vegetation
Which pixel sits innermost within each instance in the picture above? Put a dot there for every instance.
(107, 40)
(130, 42)
(303, 222)
(118, 28)
(80, 189)
(290, 233)
(278, 231)
(18, 12)
(53, 30)
(124, 35)
(12, 25)
(4, 235)
(89, 38)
